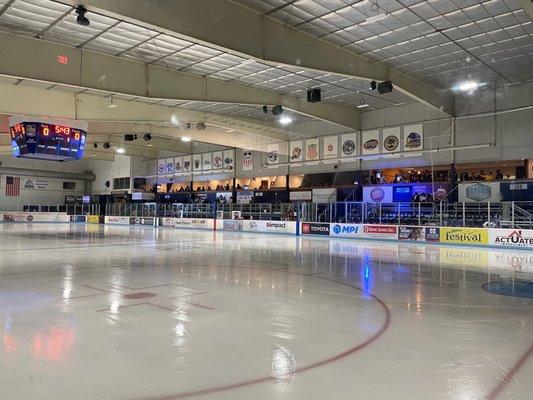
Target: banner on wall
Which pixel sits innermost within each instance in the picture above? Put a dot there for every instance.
(391, 139)
(161, 166)
(218, 161)
(296, 151)
(381, 231)
(115, 220)
(312, 149)
(178, 165)
(169, 166)
(511, 237)
(206, 161)
(348, 145)
(346, 230)
(187, 163)
(464, 235)
(370, 143)
(229, 160)
(331, 147)
(273, 154)
(413, 137)
(247, 160)
(196, 162)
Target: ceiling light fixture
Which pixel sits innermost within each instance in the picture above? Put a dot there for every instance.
(185, 139)
(374, 18)
(467, 86)
(121, 150)
(363, 104)
(285, 120)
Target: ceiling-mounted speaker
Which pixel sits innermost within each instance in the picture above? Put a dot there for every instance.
(314, 95)
(385, 87)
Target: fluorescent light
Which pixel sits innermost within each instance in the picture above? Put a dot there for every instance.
(375, 18)
(285, 120)
(185, 139)
(363, 105)
(467, 86)
(121, 150)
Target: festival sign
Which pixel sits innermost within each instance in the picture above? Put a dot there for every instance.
(473, 236)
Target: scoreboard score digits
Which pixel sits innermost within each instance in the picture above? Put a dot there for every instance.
(47, 139)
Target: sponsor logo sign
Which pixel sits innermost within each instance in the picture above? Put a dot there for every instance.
(269, 226)
(381, 231)
(78, 218)
(432, 234)
(370, 144)
(345, 230)
(200, 223)
(478, 192)
(314, 228)
(117, 220)
(511, 237)
(377, 194)
(232, 225)
(464, 235)
(93, 219)
(416, 233)
(142, 221)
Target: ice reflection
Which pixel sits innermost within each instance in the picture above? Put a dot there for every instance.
(53, 344)
(283, 363)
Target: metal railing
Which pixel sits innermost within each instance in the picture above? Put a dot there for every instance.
(503, 214)
(70, 209)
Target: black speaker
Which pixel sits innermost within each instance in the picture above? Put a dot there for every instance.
(314, 95)
(385, 87)
(277, 110)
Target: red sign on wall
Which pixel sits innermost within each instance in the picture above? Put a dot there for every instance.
(62, 59)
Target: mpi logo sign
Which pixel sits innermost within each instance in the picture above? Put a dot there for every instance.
(344, 230)
(478, 192)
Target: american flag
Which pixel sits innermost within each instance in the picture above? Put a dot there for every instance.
(12, 186)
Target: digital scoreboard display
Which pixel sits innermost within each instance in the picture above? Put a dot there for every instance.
(47, 139)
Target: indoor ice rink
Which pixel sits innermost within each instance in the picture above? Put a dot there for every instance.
(266, 199)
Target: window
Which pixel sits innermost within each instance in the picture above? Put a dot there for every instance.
(121, 184)
(69, 185)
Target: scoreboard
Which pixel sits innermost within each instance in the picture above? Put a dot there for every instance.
(47, 139)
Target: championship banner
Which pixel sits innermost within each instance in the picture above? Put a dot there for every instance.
(273, 154)
(295, 151)
(312, 150)
(187, 164)
(247, 160)
(206, 161)
(229, 160)
(391, 139)
(413, 137)
(169, 166)
(348, 145)
(370, 142)
(196, 162)
(331, 147)
(218, 162)
(161, 166)
(178, 165)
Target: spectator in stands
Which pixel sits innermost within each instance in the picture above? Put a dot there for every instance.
(499, 175)
(227, 186)
(203, 188)
(238, 187)
(416, 198)
(490, 177)
(208, 188)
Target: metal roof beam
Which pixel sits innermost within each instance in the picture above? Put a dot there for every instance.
(89, 70)
(237, 29)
